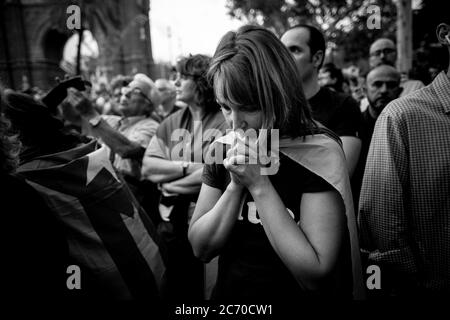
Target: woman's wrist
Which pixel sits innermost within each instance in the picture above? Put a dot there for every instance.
(261, 187)
(235, 187)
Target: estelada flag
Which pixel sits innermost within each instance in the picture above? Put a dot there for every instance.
(322, 155)
(109, 234)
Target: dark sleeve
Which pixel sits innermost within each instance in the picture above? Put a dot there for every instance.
(214, 175)
(348, 118)
(313, 183)
(35, 238)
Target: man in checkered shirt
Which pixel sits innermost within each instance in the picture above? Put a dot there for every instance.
(404, 212)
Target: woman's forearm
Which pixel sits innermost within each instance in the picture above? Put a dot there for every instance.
(209, 232)
(162, 170)
(188, 185)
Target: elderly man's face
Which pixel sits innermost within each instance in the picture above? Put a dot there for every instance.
(382, 51)
(133, 102)
(382, 86)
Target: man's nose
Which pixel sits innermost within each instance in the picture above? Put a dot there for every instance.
(123, 99)
(383, 88)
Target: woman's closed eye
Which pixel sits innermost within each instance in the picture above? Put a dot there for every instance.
(223, 106)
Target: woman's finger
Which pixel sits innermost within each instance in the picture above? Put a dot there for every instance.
(239, 159)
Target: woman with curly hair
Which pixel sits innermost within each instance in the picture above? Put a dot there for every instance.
(174, 160)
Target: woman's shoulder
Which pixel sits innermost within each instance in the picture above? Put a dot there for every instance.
(215, 175)
(300, 176)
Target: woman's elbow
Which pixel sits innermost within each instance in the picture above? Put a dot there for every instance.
(203, 256)
(314, 278)
(200, 251)
(153, 177)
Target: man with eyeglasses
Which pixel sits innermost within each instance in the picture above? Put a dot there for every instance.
(384, 51)
(128, 135)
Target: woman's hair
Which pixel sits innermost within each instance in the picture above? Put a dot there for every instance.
(196, 67)
(252, 67)
(9, 143)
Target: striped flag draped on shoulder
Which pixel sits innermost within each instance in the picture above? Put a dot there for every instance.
(109, 235)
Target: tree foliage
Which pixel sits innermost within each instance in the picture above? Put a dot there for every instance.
(344, 22)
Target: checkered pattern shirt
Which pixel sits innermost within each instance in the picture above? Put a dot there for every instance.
(404, 210)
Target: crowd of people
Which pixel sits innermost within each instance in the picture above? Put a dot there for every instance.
(120, 185)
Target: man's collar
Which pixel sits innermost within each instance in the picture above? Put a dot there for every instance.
(131, 120)
(441, 84)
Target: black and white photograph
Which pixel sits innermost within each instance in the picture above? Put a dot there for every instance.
(225, 159)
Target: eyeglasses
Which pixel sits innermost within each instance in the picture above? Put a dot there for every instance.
(125, 91)
(385, 52)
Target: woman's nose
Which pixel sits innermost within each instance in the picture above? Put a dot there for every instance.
(238, 121)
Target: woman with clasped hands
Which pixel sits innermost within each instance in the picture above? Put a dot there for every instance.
(283, 235)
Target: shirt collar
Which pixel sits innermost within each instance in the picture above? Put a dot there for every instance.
(131, 120)
(441, 84)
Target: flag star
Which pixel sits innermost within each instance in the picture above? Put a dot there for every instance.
(98, 160)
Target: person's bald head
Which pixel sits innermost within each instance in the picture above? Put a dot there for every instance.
(382, 86)
(382, 51)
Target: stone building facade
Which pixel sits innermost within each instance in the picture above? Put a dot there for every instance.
(33, 34)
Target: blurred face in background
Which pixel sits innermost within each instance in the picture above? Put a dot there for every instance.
(382, 86)
(166, 90)
(325, 79)
(356, 85)
(117, 94)
(382, 51)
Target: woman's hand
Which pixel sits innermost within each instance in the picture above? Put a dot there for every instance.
(167, 188)
(244, 169)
